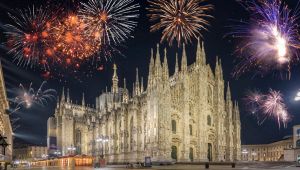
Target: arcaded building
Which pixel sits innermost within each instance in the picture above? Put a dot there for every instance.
(186, 117)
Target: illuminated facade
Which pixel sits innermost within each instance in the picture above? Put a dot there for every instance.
(267, 152)
(185, 117)
(31, 153)
(5, 125)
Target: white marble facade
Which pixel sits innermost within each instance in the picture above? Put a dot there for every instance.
(185, 117)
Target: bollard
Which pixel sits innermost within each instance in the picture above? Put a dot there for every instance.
(233, 165)
(206, 165)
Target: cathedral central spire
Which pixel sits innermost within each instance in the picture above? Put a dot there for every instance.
(115, 80)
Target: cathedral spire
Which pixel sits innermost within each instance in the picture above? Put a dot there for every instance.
(201, 56)
(184, 59)
(228, 93)
(83, 100)
(176, 64)
(237, 112)
(157, 62)
(125, 84)
(165, 66)
(142, 85)
(68, 95)
(125, 93)
(115, 80)
(63, 99)
(57, 102)
(151, 68)
(137, 83)
(217, 68)
(133, 91)
(221, 69)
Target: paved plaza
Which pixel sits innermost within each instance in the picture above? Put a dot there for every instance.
(256, 166)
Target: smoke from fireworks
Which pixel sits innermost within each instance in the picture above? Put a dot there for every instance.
(268, 106)
(180, 20)
(271, 38)
(110, 21)
(28, 97)
(29, 39)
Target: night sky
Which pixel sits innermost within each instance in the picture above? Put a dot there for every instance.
(136, 53)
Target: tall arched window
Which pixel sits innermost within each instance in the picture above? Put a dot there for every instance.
(209, 94)
(191, 154)
(208, 120)
(131, 135)
(174, 126)
(78, 141)
(174, 153)
(191, 130)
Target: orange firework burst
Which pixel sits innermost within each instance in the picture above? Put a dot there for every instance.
(180, 20)
(30, 37)
(72, 41)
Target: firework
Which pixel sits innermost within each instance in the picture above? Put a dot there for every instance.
(180, 20)
(253, 99)
(271, 37)
(29, 39)
(268, 106)
(28, 97)
(71, 40)
(110, 21)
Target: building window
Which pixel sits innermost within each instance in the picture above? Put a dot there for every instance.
(209, 95)
(173, 126)
(174, 153)
(191, 154)
(191, 130)
(298, 133)
(208, 120)
(298, 144)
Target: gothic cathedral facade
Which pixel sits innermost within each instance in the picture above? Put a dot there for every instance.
(186, 117)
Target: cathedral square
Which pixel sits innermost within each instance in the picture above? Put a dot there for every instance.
(149, 84)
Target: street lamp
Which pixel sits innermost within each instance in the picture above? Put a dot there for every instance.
(57, 153)
(102, 140)
(3, 143)
(71, 149)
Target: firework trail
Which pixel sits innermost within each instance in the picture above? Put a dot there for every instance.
(28, 97)
(270, 37)
(180, 20)
(268, 106)
(253, 99)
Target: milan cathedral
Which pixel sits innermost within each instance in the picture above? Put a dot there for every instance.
(186, 117)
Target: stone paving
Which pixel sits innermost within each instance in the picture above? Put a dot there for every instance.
(256, 166)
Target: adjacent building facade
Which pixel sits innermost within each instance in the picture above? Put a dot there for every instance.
(5, 124)
(293, 154)
(31, 153)
(267, 152)
(186, 117)
(287, 149)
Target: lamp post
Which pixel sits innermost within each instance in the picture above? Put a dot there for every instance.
(71, 150)
(4, 145)
(102, 140)
(57, 153)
